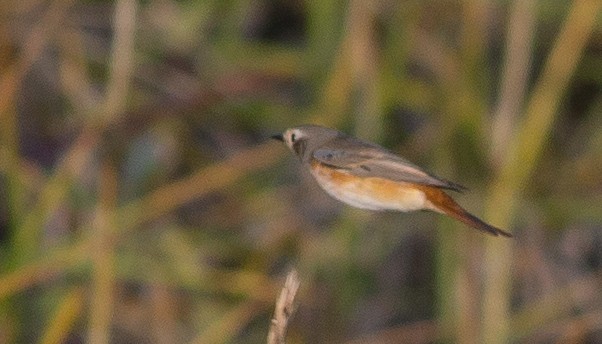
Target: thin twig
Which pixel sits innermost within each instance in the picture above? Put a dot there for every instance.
(284, 309)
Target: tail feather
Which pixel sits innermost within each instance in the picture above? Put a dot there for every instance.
(443, 203)
(477, 223)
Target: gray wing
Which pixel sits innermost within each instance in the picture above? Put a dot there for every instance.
(367, 160)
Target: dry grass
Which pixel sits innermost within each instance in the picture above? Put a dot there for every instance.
(285, 307)
(141, 202)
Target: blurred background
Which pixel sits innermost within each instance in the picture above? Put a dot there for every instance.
(141, 200)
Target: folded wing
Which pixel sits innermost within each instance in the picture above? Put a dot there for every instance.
(367, 160)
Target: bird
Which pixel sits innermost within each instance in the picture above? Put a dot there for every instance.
(365, 175)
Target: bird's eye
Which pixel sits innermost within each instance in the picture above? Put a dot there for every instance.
(293, 137)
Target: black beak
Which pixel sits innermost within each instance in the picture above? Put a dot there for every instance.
(278, 137)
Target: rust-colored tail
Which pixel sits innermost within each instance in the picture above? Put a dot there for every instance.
(443, 203)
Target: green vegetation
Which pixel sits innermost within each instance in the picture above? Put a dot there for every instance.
(141, 199)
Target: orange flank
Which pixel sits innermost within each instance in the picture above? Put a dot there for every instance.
(383, 194)
(368, 192)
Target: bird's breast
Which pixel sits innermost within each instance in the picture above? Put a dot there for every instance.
(373, 193)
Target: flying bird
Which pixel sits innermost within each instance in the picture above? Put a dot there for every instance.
(365, 175)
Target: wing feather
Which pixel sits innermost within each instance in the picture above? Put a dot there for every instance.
(367, 160)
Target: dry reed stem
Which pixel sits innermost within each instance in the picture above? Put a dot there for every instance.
(43, 269)
(285, 306)
(164, 319)
(65, 318)
(515, 75)
(34, 45)
(75, 78)
(122, 59)
(25, 239)
(365, 62)
(337, 88)
(103, 259)
(521, 159)
(115, 102)
(78, 155)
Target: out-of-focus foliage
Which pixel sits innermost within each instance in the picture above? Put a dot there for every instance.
(142, 201)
